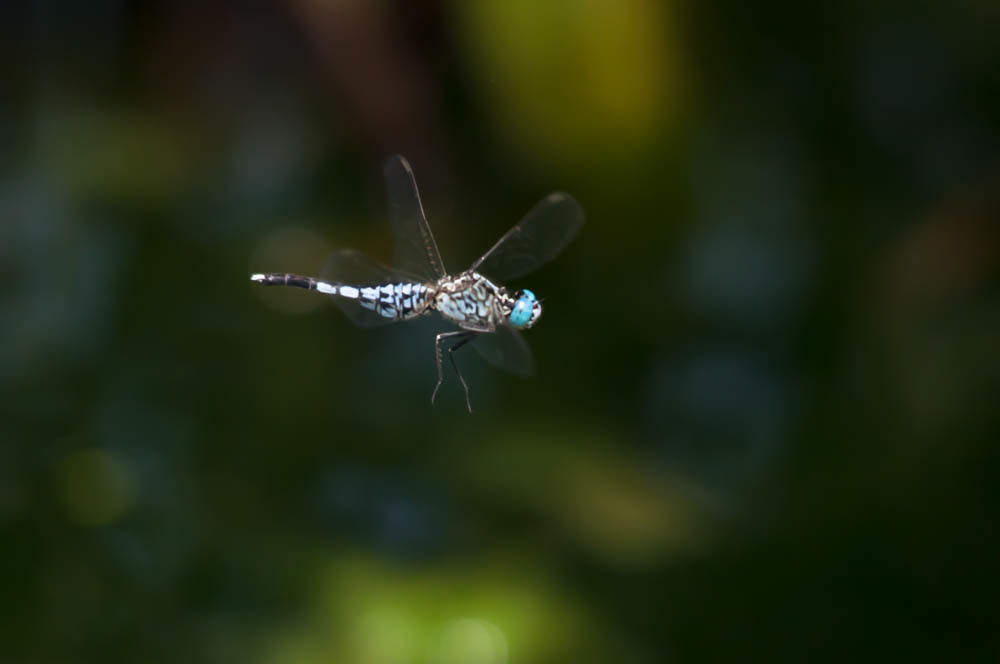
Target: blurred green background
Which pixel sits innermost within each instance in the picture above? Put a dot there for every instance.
(764, 426)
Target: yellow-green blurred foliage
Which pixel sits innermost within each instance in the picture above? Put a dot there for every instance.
(574, 80)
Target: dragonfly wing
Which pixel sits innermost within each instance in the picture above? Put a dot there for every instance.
(505, 348)
(415, 250)
(350, 267)
(539, 237)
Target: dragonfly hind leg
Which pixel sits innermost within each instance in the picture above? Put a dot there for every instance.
(461, 337)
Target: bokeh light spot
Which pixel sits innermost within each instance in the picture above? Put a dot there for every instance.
(469, 641)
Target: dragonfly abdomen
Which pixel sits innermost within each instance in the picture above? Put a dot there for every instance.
(399, 301)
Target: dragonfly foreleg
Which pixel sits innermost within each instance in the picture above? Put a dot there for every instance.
(462, 337)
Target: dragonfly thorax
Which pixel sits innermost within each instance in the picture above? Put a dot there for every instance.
(474, 302)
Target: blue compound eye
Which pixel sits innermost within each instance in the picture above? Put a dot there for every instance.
(520, 315)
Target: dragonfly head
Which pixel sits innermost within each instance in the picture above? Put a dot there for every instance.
(526, 310)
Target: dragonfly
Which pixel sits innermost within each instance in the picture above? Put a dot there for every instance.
(488, 315)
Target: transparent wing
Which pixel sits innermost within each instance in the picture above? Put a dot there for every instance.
(350, 267)
(415, 251)
(538, 238)
(506, 348)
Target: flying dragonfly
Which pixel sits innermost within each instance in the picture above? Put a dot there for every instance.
(488, 315)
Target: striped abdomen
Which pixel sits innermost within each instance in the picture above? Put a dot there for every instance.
(394, 301)
(398, 301)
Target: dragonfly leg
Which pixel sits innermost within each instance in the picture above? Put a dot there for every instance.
(463, 337)
(461, 342)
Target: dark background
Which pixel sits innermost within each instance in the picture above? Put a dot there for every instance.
(764, 426)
